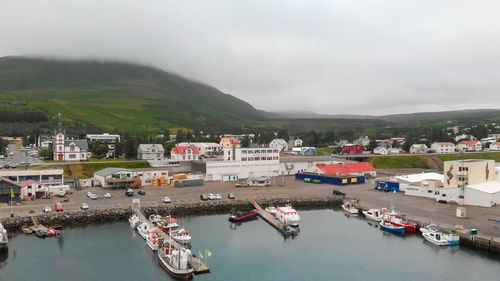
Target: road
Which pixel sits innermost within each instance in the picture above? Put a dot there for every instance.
(19, 156)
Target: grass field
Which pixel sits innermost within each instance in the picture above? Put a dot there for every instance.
(487, 155)
(87, 170)
(398, 162)
(324, 151)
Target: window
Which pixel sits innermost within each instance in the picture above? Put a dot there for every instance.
(244, 151)
(243, 159)
(72, 156)
(72, 148)
(429, 191)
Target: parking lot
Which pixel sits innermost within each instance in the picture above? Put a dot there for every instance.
(16, 158)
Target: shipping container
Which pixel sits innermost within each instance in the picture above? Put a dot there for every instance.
(337, 180)
(188, 183)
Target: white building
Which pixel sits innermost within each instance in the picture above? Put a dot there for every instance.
(495, 146)
(148, 174)
(114, 177)
(464, 137)
(443, 147)
(103, 138)
(473, 145)
(297, 142)
(150, 152)
(496, 136)
(418, 148)
(205, 148)
(184, 153)
(486, 194)
(382, 150)
(48, 177)
(69, 150)
(281, 144)
(488, 139)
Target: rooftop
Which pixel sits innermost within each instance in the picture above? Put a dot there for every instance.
(111, 170)
(414, 178)
(345, 168)
(489, 186)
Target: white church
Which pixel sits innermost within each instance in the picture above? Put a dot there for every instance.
(66, 149)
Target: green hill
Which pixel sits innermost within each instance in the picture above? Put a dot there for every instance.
(117, 96)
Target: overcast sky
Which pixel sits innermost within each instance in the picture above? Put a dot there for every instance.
(352, 56)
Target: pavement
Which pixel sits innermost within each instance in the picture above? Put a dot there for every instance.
(423, 209)
(19, 156)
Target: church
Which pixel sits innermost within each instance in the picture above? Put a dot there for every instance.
(68, 149)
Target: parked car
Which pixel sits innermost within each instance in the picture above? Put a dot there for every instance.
(230, 196)
(107, 195)
(241, 184)
(89, 193)
(166, 199)
(129, 192)
(338, 192)
(6, 166)
(203, 197)
(141, 192)
(84, 206)
(59, 207)
(211, 196)
(218, 197)
(46, 209)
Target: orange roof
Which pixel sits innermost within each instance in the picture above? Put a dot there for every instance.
(233, 139)
(345, 168)
(469, 142)
(182, 149)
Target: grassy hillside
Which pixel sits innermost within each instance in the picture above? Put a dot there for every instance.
(117, 96)
(489, 155)
(399, 162)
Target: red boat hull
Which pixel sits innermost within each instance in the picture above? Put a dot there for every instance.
(244, 217)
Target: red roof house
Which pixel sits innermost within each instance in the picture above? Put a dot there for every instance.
(346, 169)
(187, 153)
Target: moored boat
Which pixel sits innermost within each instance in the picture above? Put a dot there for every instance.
(243, 216)
(429, 228)
(409, 226)
(134, 221)
(155, 218)
(287, 215)
(271, 209)
(350, 208)
(27, 229)
(387, 226)
(4, 240)
(167, 224)
(152, 241)
(144, 229)
(181, 236)
(442, 239)
(175, 261)
(374, 214)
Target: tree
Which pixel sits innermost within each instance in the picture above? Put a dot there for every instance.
(100, 151)
(46, 153)
(130, 148)
(245, 141)
(119, 148)
(371, 145)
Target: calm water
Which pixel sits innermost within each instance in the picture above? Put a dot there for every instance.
(330, 246)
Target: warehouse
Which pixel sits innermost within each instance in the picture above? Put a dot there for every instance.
(486, 194)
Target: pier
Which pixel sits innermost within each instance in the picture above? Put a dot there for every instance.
(198, 265)
(273, 221)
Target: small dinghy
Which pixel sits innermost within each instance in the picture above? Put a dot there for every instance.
(442, 239)
(243, 216)
(27, 229)
(348, 207)
(374, 214)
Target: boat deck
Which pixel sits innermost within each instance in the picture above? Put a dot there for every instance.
(272, 220)
(198, 265)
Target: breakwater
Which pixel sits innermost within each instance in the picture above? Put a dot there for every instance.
(104, 215)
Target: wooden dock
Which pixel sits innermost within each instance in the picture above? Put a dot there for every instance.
(273, 221)
(198, 265)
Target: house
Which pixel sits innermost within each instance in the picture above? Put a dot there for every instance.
(32, 189)
(117, 178)
(281, 144)
(418, 148)
(443, 147)
(7, 187)
(308, 151)
(205, 148)
(464, 137)
(495, 146)
(228, 142)
(485, 194)
(472, 145)
(65, 149)
(297, 142)
(185, 153)
(488, 140)
(382, 150)
(346, 169)
(394, 150)
(352, 149)
(364, 141)
(496, 136)
(103, 138)
(150, 152)
(396, 140)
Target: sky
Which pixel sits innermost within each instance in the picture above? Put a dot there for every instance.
(333, 57)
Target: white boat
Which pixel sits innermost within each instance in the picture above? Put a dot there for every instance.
(167, 224)
(272, 210)
(181, 236)
(348, 207)
(391, 213)
(152, 242)
(134, 221)
(374, 214)
(287, 215)
(4, 240)
(442, 239)
(155, 218)
(429, 228)
(175, 261)
(144, 229)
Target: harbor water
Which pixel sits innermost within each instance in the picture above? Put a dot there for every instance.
(330, 246)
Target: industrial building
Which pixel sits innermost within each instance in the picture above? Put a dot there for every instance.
(48, 177)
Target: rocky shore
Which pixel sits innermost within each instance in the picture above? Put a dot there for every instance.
(81, 217)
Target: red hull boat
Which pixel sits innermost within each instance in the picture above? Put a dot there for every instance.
(243, 216)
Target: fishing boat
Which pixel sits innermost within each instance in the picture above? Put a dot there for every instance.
(287, 215)
(181, 236)
(167, 224)
(272, 210)
(26, 229)
(374, 214)
(243, 216)
(175, 261)
(134, 220)
(144, 229)
(391, 213)
(348, 207)
(152, 241)
(4, 240)
(441, 239)
(397, 221)
(387, 226)
(155, 218)
(429, 228)
(52, 232)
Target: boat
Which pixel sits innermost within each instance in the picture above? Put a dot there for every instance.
(144, 229)
(181, 236)
(167, 224)
(152, 241)
(348, 207)
(271, 209)
(391, 213)
(175, 261)
(388, 226)
(52, 232)
(155, 218)
(287, 215)
(429, 228)
(374, 214)
(4, 240)
(441, 239)
(27, 229)
(134, 220)
(397, 221)
(243, 216)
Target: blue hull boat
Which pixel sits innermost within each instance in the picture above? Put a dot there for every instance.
(387, 226)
